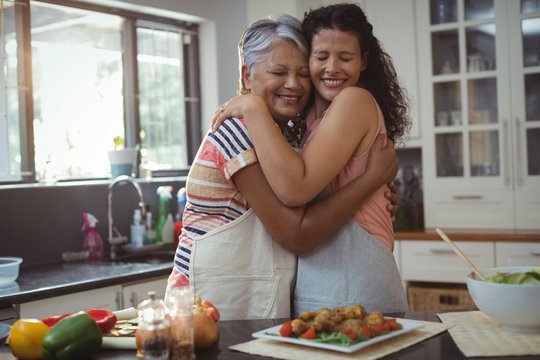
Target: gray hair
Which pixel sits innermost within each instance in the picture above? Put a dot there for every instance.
(257, 39)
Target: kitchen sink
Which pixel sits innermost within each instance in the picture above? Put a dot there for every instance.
(154, 257)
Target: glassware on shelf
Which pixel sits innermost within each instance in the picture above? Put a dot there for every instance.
(443, 11)
(479, 9)
(531, 41)
(484, 153)
(449, 154)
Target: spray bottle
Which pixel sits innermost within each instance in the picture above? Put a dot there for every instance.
(181, 200)
(165, 223)
(93, 243)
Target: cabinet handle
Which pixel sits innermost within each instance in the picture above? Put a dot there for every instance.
(441, 251)
(519, 164)
(133, 299)
(118, 300)
(506, 136)
(534, 253)
(467, 197)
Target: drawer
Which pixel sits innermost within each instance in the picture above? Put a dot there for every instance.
(478, 209)
(517, 254)
(434, 261)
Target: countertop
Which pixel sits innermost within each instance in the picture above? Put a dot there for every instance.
(439, 347)
(471, 235)
(45, 281)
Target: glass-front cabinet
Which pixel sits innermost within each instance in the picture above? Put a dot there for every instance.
(480, 110)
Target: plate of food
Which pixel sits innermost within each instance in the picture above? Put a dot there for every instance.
(344, 329)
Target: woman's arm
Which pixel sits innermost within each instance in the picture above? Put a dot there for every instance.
(301, 229)
(349, 126)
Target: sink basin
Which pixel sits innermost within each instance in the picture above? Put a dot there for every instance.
(155, 257)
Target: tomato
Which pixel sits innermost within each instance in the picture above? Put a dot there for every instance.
(386, 326)
(286, 329)
(309, 334)
(394, 325)
(377, 329)
(351, 334)
(366, 332)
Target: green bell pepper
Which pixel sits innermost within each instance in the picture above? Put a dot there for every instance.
(74, 337)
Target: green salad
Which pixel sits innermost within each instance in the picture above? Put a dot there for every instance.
(530, 277)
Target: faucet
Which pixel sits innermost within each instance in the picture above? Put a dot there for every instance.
(116, 241)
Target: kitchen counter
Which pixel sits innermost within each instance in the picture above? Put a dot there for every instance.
(46, 281)
(439, 347)
(471, 235)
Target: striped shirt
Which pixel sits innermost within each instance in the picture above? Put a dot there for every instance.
(212, 198)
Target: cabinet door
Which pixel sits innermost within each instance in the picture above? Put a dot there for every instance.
(106, 297)
(135, 293)
(434, 261)
(481, 126)
(517, 254)
(525, 121)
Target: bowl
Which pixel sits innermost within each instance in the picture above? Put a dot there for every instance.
(9, 269)
(515, 306)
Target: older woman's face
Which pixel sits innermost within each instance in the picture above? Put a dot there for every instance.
(282, 80)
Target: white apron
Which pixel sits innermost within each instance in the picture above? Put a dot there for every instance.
(243, 271)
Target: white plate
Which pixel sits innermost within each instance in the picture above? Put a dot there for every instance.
(408, 325)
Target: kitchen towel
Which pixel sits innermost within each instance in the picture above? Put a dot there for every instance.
(475, 334)
(281, 350)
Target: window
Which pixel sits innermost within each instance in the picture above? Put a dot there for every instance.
(94, 74)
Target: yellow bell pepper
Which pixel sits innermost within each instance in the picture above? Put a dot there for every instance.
(26, 337)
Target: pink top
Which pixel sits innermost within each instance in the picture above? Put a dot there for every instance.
(372, 216)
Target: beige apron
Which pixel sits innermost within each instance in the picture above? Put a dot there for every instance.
(243, 271)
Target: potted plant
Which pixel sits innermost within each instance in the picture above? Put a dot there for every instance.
(123, 160)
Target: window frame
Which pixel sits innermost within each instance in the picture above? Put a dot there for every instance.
(130, 85)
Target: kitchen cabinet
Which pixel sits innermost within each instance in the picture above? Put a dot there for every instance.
(434, 261)
(480, 90)
(134, 293)
(111, 297)
(106, 297)
(517, 254)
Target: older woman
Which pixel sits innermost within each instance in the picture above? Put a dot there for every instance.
(238, 242)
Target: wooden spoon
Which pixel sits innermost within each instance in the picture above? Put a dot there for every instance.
(460, 254)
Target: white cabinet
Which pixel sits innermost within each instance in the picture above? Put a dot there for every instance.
(111, 297)
(517, 254)
(106, 297)
(480, 89)
(134, 293)
(434, 261)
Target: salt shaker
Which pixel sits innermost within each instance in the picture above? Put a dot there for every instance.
(154, 328)
(179, 301)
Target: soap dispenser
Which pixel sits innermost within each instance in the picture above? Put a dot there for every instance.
(93, 243)
(138, 230)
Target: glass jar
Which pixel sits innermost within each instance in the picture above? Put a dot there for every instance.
(179, 301)
(154, 327)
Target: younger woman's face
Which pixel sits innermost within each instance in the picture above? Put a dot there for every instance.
(282, 80)
(335, 62)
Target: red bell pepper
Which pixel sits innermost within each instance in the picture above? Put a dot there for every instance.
(104, 319)
(50, 321)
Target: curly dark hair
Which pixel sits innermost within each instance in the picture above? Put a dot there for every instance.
(380, 77)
